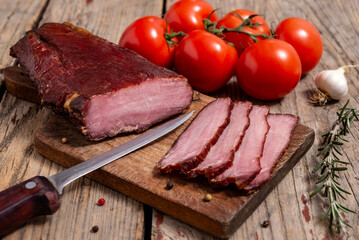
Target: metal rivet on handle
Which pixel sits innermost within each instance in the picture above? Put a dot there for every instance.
(30, 185)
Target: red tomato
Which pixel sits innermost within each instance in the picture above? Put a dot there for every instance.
(188, 15)
(305, 38)
(206, 60)
(269, 69)
(146, 37)
(241, 40)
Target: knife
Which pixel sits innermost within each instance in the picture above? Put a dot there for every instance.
(41, 196)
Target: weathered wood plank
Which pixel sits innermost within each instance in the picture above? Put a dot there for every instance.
(336, 20)
(123, 174)
(121, 217)
(16, 17)
(18, 84)
(290, 211)
(106, 20)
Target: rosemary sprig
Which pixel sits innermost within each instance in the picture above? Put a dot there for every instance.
(330, 167)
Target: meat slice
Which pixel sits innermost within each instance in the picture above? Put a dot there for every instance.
(277, 141)
(104, 89)
(246, 160)
(192, 146)
(220, 156)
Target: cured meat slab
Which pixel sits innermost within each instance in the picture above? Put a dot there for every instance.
(136, 176)
(103, 88)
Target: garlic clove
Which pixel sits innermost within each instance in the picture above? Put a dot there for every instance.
(333, 82)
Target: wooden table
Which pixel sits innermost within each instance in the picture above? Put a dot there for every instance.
(290, 211)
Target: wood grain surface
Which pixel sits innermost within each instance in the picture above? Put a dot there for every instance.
(19, 85)
(135, 175)
(121, 217)
(290, 211)
(16, 17)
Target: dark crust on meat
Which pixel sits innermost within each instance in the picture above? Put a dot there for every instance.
(51, 43)
(240, 183)
(211, 172)
(243, 184)
(249, 190)
(189, 164)
(76, 115)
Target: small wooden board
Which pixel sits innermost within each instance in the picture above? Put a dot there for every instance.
(135, 175)
(19, 85)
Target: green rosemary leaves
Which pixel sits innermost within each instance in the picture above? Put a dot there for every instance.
(330, 167)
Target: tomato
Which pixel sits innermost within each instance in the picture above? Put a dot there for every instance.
(206, 60)
(305, 38)
(269, 69)
(188, 15)
(241, 40)
(146, 37)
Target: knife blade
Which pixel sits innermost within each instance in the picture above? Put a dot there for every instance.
(41, 196)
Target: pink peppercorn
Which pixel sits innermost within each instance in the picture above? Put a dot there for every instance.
(101, 202)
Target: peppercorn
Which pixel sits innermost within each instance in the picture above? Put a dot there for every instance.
(169, 186)
(265, 224)
(101, 202)
(208, 197)
(94, 229)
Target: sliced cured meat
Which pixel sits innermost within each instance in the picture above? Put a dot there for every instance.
(193, 144)
(277, 141)
(104, 89)
(220, 156)
(246, 159)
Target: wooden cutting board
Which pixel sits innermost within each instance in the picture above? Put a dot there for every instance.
(135, 175)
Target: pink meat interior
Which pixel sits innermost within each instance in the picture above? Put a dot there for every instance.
(145, 103)
(199, 133)
(221, 152)
(278, 138)
(246, 159)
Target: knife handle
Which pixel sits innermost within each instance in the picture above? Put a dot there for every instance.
(31, 198)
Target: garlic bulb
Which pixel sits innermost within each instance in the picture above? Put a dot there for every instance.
(332, 82)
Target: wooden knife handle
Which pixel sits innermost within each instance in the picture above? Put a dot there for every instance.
(31, 198)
